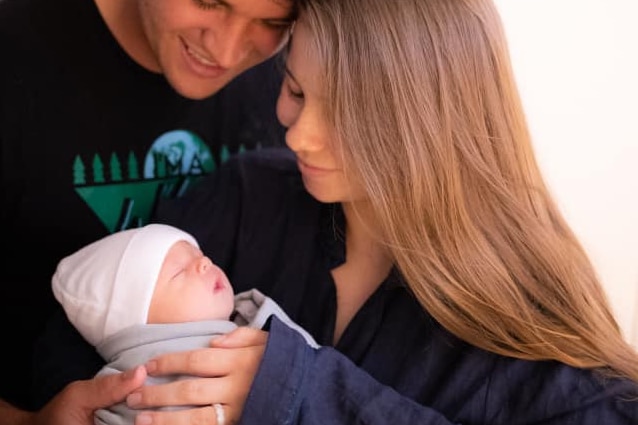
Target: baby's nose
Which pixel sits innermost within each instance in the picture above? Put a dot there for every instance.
(204, 264)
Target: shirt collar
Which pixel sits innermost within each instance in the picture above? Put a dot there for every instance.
(332, 238)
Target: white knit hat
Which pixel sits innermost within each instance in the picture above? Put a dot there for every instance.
(108, 285)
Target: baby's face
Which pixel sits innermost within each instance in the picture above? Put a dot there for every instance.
(190, 288)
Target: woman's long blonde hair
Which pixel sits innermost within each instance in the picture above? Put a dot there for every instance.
(423, 100)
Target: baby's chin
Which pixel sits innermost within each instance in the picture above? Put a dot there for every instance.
(224, 305)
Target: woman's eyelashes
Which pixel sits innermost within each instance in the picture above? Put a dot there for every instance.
(295, 92)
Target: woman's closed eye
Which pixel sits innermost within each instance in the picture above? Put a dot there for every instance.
(294, 93)
(292, 86)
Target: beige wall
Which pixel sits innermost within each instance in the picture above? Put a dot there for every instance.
(576, 63)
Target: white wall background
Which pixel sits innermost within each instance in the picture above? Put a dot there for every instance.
(576, 63)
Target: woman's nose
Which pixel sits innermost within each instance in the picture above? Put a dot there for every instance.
(305, 135)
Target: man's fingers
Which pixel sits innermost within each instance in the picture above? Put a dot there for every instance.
(77, 402)
(107, 390)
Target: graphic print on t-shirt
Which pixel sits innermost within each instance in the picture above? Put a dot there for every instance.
(122, 189)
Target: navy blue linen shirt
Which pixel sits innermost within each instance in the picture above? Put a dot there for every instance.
(394, 364)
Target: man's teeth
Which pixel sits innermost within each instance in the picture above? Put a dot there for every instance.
(201, 58)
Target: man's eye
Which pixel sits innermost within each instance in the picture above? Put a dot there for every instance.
(207, 4)
(277, 25)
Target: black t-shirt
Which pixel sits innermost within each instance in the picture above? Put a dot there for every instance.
(89, 141)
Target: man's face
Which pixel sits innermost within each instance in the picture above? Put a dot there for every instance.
(201, 45)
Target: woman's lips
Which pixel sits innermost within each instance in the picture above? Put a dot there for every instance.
(312, 170)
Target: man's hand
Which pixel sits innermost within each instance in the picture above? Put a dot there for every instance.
(77, 402)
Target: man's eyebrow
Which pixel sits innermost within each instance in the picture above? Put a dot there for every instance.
(287, 20)
(292, 15)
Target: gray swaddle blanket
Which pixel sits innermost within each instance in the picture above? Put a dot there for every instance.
(137, 344)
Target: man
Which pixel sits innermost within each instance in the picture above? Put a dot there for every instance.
(104, 107)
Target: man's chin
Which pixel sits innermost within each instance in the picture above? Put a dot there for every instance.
(198, 90)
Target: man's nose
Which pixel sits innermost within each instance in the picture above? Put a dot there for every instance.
(232, 41)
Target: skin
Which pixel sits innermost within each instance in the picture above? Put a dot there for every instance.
(228, 368)
(76, 403)
(300, 110)
(199, 45)
(202, 288)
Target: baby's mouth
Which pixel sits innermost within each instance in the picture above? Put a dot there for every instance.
(218, 285)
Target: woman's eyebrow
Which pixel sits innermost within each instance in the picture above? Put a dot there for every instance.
(291, 75)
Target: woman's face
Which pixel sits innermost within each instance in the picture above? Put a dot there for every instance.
(300, 109)
(201, 45)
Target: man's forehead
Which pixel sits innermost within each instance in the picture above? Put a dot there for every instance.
(288, 4)
(285, 9)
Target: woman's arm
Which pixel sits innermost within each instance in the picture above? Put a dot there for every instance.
(286, 387)
(296, 384)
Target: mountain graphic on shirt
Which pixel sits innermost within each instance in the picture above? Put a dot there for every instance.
(122, 191)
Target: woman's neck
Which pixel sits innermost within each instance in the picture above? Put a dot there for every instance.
(123, 20)
(367, 265)
(363, 244)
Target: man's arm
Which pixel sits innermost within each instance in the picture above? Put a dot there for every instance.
(75, 404)
(10, 415)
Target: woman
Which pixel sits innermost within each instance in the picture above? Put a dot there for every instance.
(416, 241)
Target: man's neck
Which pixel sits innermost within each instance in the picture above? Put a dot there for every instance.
(124, 22)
